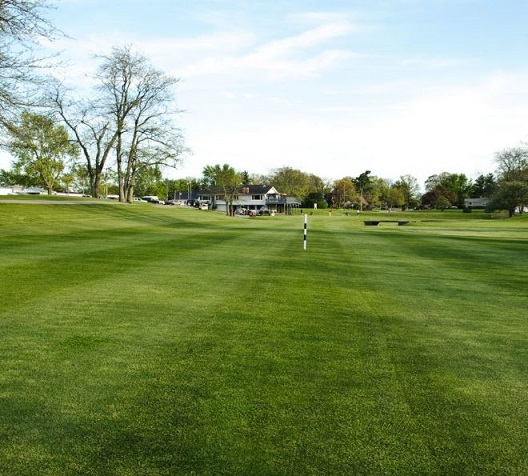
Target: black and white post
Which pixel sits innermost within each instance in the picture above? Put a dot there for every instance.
(305, 222)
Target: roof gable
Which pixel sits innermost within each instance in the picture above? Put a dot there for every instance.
(242, 190)
(258, 189)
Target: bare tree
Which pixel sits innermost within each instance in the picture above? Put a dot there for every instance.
(140, 100)
(22, 23)
(92, 131)
(512, 164)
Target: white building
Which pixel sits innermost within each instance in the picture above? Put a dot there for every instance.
(481, 202)
(249, 198)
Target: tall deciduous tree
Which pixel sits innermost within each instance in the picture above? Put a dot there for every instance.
(93, 131)
(344, 193)
(395, 197)
(41, 148)
(140, 99)
(410, 189)
(453, 187)
(510, 196)
(511, 192)
(291, 182)
(512, 164)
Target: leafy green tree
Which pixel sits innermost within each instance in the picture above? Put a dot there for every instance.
(378, 191)
(344, 193)
(315, 198)
(317, 185)
(13, 177)
(292, 182)
(149, 181)
(410, 189)
(461, 185)
(395, 197)
(364, 187)
(244, 176)
(510, 196)
(453, 187)
(511, 192)
(442, 202)
(438, 198)
(227, 180)
(391, 195)
(41, 148)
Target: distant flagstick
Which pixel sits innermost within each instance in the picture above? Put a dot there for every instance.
(305, 221)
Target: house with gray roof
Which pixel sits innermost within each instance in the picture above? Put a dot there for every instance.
(248, 198)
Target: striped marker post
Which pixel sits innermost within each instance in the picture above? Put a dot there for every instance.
(305, 222)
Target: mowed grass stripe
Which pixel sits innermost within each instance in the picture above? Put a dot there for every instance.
(449, 337)
(235, 352)
(120, 317)
(276, 382)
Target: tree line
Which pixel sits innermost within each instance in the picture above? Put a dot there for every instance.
(123, 136)
(506, 189)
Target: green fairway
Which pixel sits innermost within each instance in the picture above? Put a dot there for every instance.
(148, 340)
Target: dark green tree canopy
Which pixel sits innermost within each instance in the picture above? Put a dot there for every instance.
(484, 186)
(447, 187)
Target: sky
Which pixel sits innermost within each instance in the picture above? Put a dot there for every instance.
(332, 88)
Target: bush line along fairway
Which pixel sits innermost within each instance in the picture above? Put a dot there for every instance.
(149, 340)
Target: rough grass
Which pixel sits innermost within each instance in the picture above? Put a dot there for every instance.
(148, 340)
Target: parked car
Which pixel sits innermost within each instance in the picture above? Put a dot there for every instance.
(151, 199)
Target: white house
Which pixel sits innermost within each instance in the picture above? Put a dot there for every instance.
(249, 197)
(481, 202)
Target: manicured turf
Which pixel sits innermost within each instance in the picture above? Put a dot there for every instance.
(153, 340)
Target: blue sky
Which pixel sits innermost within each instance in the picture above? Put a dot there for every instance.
(330, 87)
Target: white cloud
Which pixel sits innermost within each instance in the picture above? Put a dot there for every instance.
(307, 39)
(294, 57)
(433, 62)
(231, 53)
